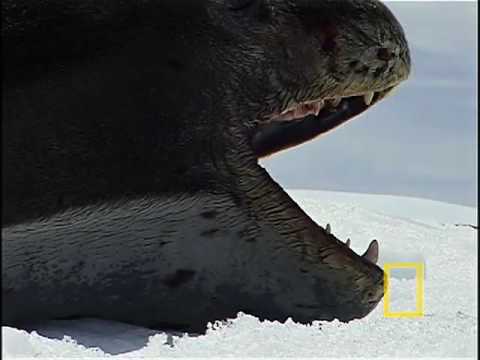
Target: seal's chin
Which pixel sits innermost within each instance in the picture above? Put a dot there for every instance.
(308, 119)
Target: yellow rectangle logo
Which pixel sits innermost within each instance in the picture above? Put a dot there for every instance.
(420, 280)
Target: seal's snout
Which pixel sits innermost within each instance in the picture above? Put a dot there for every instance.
(375, 293)
(384, 64)
(370, 290)
(383, 53)
(374, 286)
(361, 40)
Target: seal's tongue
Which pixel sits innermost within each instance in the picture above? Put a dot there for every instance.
(372, 252)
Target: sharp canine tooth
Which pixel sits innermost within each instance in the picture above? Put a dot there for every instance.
(372, 252)
(319, 106)
(368, 98)
(336, 101)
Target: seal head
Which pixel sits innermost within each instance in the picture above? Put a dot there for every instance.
(132, 133)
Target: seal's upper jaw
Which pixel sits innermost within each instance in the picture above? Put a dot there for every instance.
(353, 46)
(346, 57)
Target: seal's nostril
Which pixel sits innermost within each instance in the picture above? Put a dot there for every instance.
(385, 54)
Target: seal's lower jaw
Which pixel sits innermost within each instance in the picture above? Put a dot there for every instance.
(306, 120)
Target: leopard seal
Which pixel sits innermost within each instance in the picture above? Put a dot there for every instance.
(131, 137)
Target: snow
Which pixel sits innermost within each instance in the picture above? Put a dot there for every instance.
(408, 230)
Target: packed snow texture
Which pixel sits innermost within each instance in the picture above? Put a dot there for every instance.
(408, 230)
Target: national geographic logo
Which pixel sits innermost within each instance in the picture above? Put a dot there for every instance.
(419, 300)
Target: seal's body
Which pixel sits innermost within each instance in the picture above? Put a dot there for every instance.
(131, 135)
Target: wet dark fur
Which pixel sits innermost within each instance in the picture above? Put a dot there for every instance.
(131, 190)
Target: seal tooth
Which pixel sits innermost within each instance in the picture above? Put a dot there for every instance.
(368, 97)
(319, 106)
(372, 252)
(335, 101)
(328, 229)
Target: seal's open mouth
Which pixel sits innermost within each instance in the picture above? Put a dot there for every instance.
(303, 121)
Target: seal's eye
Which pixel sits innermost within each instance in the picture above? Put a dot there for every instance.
(239, 4)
